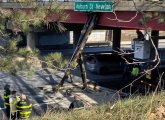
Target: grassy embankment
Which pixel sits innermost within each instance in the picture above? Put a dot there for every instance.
(135, 108)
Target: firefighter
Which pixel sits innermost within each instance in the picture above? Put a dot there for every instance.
(24, 107)
(6, 99)
(14, 99)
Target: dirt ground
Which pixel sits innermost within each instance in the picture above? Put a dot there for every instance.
(40, 89)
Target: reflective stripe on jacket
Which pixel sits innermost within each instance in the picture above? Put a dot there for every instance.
(148, 75)
(24, 108)
(135, 71)
(6, 97)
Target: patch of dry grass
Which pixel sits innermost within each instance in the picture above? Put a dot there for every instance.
(134, 108)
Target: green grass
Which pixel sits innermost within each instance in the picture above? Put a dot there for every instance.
(135, 108)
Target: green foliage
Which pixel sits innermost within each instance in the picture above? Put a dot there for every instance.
(24, 52)
(3, 15)
(10, 47)
(74, 64)
(25, 27)
(5, 64)
(39, 15)
(14, 59)
(22, 59)
(23, 65)
(2, 24)
(38, 23)
(55, 59)
(58, 11)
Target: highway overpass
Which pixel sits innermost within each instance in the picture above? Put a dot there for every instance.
(125, 14)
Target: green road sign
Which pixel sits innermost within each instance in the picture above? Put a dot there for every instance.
(93, 6)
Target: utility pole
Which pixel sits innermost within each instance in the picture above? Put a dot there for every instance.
(77, 56)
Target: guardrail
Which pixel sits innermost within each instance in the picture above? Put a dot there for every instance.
(156, 5)
(70, 0)
(23, 1)
(123, 5)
